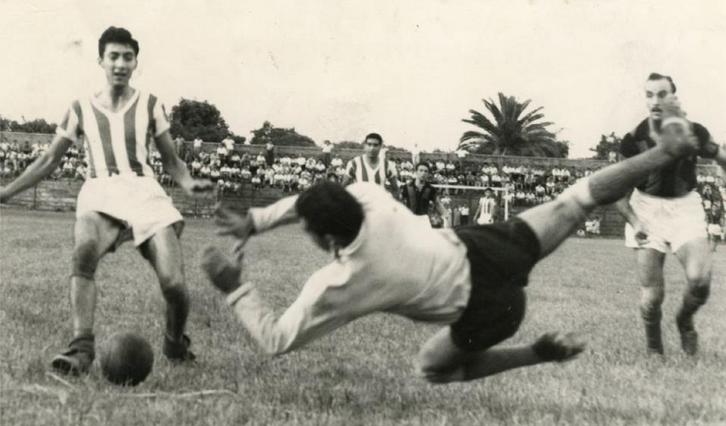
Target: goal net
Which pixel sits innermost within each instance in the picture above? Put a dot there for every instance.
(462, 201)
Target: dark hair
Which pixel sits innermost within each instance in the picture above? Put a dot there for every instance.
(375, 136)
(656, 76)
(329, 209)
(423, 163)
(117, 35)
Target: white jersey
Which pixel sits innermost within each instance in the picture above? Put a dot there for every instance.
(428, 281)
(117, 143)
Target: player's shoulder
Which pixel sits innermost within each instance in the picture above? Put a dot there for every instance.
(639, 132)
(701, 131)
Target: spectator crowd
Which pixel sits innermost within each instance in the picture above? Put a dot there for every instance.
(233, 170)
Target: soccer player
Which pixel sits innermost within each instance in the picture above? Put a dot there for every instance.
(372, 166)
(715, 219)
(120, 199)
(487, 208)
(419, 196)
(471, 279)
(664, 213)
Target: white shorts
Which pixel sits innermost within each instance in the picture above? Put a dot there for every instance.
(484, 219)
(139, 202)
(671, 222)
(714, 229)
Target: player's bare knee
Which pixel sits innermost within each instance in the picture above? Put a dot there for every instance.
(650, 304)
(698, 275)
(429, 367)
(85, 259)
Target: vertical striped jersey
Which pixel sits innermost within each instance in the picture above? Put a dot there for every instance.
(117, 143)
(360, 171)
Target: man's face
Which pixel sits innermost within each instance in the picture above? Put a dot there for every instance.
(488, 194)
(372, 147)
(657, 94)
(422, 173)
(119, 63)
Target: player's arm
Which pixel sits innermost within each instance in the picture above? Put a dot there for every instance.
(439, 206)
(257, 220)
(39, 169)
(322, 306)
(177, 168)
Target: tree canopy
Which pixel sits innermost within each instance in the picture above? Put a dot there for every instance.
(279, 136)
(509, 130)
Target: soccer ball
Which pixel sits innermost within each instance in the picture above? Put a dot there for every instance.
(126, 359)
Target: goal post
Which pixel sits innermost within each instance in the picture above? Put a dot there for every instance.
(469, 196)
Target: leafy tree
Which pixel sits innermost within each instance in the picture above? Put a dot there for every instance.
(193, 119)
(608, 143)
(37, 125)
(511, 131)
(279, 136)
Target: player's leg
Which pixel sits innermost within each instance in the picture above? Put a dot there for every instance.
(442, 361)
(696, 258)
(554, 221)
(94, 235)
(652, 292)
(163, 250)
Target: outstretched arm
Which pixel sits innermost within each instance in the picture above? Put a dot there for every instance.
(40, 168)
(323, 305)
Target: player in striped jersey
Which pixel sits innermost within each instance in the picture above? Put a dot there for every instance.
(372, 166)
(486, 210)
(120, 200)
(470, 279)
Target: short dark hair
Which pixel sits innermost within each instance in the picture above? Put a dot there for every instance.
(117, 35)
(375, 136)
(656, 76)
(423, 163)
(329, 209)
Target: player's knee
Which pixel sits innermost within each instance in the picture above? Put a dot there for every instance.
(699, 293)
(698, 275)
(429, 367)
(85, 259)
(650, 305)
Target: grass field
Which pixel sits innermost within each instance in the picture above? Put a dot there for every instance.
(362, 373)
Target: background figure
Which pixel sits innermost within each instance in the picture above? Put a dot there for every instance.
(664, 213)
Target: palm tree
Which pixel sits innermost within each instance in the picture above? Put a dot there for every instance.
(512, 131)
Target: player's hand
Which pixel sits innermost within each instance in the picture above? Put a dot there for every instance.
(197, 187)
(677, 135)
(234, 224)
(222, 272)
(558, 347)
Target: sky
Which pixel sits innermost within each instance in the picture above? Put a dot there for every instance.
(408, 69)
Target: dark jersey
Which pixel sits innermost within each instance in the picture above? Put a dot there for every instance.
(677, 178)
(418, 201)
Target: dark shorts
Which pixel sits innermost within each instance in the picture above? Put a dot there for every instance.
(501, 256)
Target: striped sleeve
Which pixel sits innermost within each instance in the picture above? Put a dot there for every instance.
(159, 116)
(70, 126)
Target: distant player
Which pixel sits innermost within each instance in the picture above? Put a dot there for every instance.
(120, 200)
(487, 209)
(422, 198)
(715, 220)
(664, 213)
(372, 166)
(471, 279)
